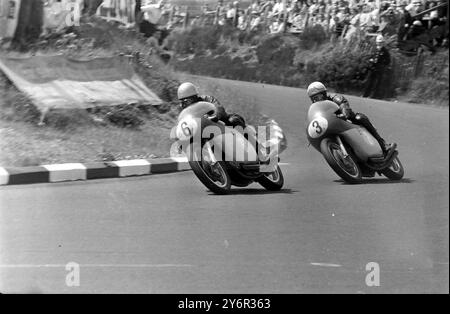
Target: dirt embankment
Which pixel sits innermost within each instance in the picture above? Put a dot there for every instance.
(296, 61)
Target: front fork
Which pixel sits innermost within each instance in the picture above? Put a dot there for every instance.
(210, 152)
(341, 144)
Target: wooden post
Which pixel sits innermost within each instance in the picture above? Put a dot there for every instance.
(265, 17)
(171, 14)
(236, 15)
(328, 23)
(186, 18)
(285, 19)
(418, 62)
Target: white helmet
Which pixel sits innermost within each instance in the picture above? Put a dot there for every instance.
(187, 90)
(379, 39)
(434, 15)
(316, 88)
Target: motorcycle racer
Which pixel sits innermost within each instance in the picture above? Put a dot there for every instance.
(318, 92)
(188, 95)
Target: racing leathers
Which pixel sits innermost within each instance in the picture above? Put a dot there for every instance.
(358, 118)
(229, 119)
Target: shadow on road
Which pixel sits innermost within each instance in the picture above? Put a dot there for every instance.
(255, 192)
(378, 181)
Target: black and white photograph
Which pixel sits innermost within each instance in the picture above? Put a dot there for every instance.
(224, 152)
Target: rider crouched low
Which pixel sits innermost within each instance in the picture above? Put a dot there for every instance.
(188, 95)
(318, 92)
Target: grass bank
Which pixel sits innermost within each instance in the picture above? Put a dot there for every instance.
(297, 60)
(122, 132)
(101, 134)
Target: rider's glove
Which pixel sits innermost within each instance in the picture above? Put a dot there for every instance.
(213, 118)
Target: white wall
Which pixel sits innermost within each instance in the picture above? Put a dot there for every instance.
(8, 22)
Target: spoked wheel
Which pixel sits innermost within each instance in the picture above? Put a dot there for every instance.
(395, 170)
(272, 181)
(213, 175)
(345, 167)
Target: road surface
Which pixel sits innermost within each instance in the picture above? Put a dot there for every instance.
(168, 234)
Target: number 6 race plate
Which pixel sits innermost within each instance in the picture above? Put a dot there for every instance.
(186, 128)
(317, 127)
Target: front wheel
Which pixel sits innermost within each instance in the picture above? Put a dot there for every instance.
(272, 181)
(213, 175)
(345, 167)
(395, 170)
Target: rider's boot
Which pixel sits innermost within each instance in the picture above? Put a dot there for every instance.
(364, 121)
(386, 147)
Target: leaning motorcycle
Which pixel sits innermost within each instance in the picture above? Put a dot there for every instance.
(350, 150)
(222, 156)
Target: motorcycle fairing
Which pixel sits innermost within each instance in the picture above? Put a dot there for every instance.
(234, 147)
(364, 145)
(325, 108)
(199, 109)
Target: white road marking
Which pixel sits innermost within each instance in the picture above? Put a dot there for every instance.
(95, 265)
(326, 265)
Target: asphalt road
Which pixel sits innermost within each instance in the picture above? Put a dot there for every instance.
(168, 234)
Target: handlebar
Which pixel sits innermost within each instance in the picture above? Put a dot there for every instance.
(213, 117)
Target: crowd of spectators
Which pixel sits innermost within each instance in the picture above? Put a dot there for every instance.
(338, 18)
(408, 20)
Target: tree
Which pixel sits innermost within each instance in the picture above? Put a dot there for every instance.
(91, 6)
(29, 26)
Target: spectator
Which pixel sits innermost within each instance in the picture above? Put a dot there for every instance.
(415, 30)
(336, 28)
(255, 7)
(255, 22)
(313, 7)
(221, 12)
(368, 19)
(276, 27)
(242, 21)
(231, 13)
(389, 21)
(380, 62)
(322, 21)
(278, 8)
(415, 7)
(354, 24)
(268, 6)
(295, 8)
(405, 20)
(152, 13)
(297, 23)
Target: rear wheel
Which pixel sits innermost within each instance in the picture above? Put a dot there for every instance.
(395, 170)
(213, 175)
(345, 167)
(272, 181)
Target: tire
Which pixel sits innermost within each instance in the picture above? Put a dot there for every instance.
(272, 184)
(328, 147)
(395, 170)
(206, 178)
